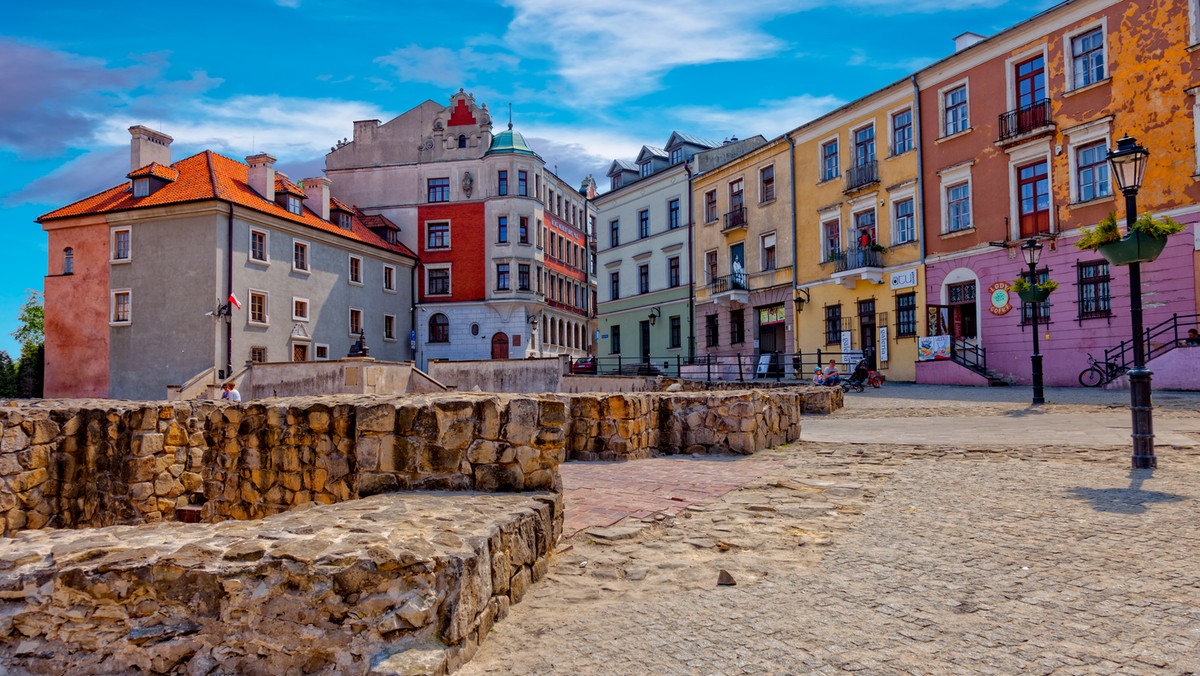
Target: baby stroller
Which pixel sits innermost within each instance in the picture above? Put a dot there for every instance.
(858, 379)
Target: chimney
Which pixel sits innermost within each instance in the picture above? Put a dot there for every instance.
(148, 146)
(317, 191)
(966, 40)
(261, 176)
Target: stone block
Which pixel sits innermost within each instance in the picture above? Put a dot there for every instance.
(378, 418)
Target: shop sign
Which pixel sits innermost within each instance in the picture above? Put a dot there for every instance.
(846, 347)
(771, 315)
(883, 346)
(1001, 299)
(905, 279)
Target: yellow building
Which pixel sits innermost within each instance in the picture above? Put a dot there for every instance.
(742, 212)
(860, 281)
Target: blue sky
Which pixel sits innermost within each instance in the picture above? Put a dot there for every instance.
(588, 82)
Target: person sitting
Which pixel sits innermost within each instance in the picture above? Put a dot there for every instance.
(1193, 338)
(230, 392)
(817, 379)
(832, 376)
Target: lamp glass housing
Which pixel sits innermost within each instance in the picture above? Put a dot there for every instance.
(1128, 164)
(1032, 251)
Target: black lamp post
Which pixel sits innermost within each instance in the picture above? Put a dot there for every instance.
(1128, 164)
(1032, 251)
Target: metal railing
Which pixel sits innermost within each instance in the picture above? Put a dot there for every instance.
(854, 258)
(1158, 340)
(777, 366)
(862, 174)
(736, 282)
(735, 219)
(1024, 120)
(971, 356)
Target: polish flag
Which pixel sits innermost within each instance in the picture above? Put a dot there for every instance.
(235, 302)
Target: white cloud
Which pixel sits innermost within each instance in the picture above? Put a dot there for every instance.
(769, 118)
(859, 57)
(445, 67)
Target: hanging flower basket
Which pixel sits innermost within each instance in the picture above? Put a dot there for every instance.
(1134, 247)
(1034, 295)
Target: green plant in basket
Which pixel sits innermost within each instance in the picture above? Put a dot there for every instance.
(1022, 284)
(1107, 231)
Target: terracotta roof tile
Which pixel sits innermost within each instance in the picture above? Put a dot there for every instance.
(284, 184)
(207, 176)
(336, 204)
(155, 169)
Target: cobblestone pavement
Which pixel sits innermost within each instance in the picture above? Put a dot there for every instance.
(1021, 555)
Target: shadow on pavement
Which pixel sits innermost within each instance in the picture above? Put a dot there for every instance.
(1130, 500)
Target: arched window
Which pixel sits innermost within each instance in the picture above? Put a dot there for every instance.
(439, 329)
(462, 140)
(68, 261)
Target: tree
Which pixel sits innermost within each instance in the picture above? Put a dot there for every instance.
(8, 376)
(30, 368)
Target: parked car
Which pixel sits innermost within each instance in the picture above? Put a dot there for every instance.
(584, 365)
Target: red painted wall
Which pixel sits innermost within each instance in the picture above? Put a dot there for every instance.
(468, 247)
(562, 267)
(77, 309)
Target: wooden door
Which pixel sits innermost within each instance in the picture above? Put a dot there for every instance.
(500, 346)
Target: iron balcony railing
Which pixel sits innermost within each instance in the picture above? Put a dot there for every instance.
(735, 219)
(734, 282)
(855, 258)
(1024, 120)
(862, 174)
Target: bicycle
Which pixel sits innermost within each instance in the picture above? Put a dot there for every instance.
(1097, 373)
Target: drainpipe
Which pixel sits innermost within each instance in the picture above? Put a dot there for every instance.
(412, 310)
(920, 226)
(228, 293)
(691, 271)
(795, 242)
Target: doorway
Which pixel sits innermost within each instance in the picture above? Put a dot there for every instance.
(645, 341)
(500, 346)
(772, 340)
(299, 352)
(963, 317)
(866, 330)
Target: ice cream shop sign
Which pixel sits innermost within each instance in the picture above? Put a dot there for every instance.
(1001, 301)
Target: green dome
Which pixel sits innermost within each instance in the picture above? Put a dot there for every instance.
(510, 142)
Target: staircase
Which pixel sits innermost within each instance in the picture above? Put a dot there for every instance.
(974, 358)
(1156, 340)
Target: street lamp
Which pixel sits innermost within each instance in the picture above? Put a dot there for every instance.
(1128, 164)
(1032, 251)
(654, 315)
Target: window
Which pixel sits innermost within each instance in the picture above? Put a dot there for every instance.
(1094, 290)
(672, 214)
(141, 187)
(344, 220)
(322, 351)
(258, 246)
(958, 207)
(676, 156)
(1043, 307)
(258, 355)
(906, 315)
(673, 272)
(643, 223)
(737, 326)
(1091, 171)
(523, 276)
(292, 204)
(299, 256)
(736, 195)
(614, 340)
(833, 324)
(710, 206)
(389, 327)
(832, 231)
(356, 270)
(300, 309)
(523, 230)
(829, 160)
(502, 276)
(710, 265)
(502, 230)
(356, 326)
(675, 334)
(904, 222)
(523, 183)
(864, 145)
(462, 140)
(258, 307)
(766, 184)
(1031, 89)
(121, 306)
(437, 235)
(439, 190)
(438, 283)
(644, 169)
(439, 329)
(711, 329)
(864, 228)
(502, 187)
(389, 278)
(902, 132)
(644, 278)
(614, 232)
(68, 261)
(954, 107)
(1087, 58)
(121, 245)
(768, 252)
(1033, 194)
(614, 285)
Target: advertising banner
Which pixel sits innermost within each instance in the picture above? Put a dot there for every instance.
(931, 348)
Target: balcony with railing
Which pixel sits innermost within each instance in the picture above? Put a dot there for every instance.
(862, 175)
(858, 263)
(729, 289)
(1027, 120)
(734, 219)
